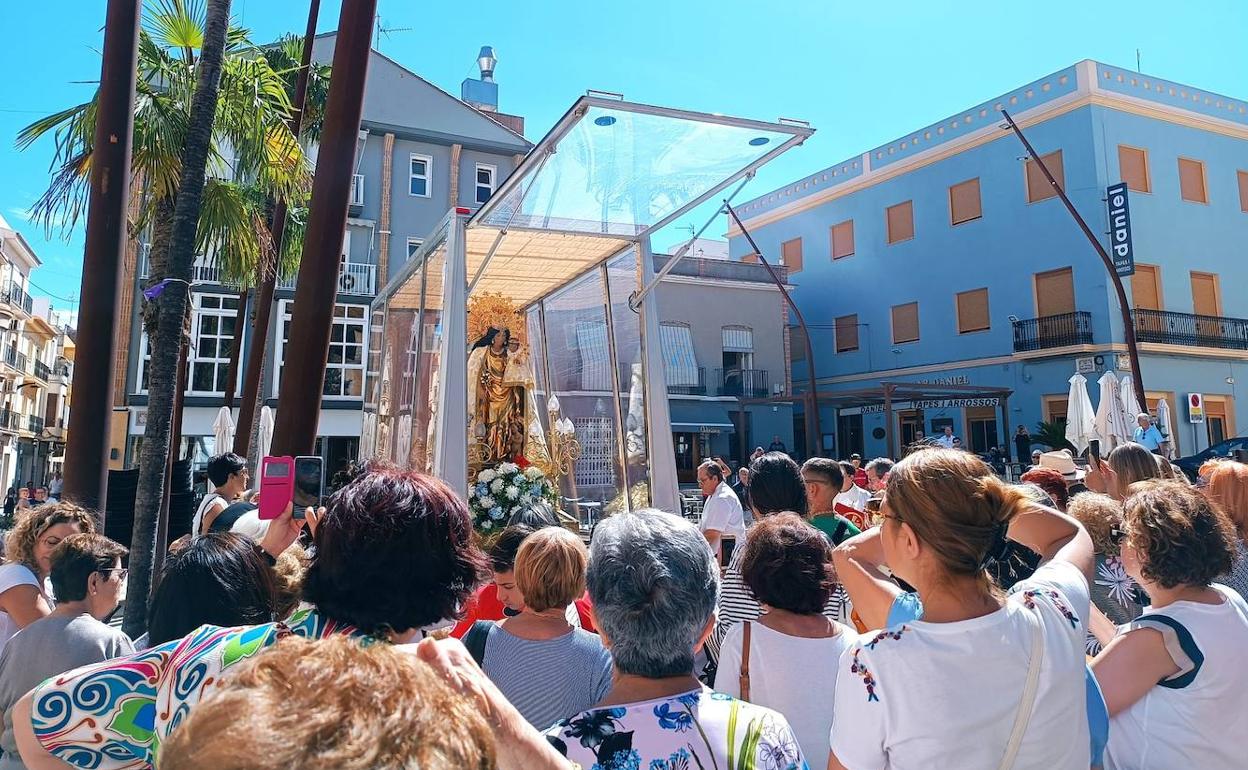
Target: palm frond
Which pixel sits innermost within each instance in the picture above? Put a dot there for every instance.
(177, 24)
(232, 228)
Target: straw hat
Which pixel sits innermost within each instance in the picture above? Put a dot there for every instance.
(1063, 463)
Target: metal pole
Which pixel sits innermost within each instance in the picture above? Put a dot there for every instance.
(86, 454)
(268, 280)
(888, 422)
(813, 429)
(1128, 323)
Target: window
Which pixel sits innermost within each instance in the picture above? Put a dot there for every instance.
(847, 333)
(1206, 295)
(486, 176)
(214, 317)
(680, 365)
(419, 174)
(596, 465)
(791, 255)
(973, 311)
(1038, 188)
(1192, 181)
(413, 246)
(1146, 287)
(964, 203)
(906, 322)
(1133, 168)
(1055, 292)
(900, 221)
(981, 428)
(344, 366)
(1056, 408)
(843, 239)
(1242, 177)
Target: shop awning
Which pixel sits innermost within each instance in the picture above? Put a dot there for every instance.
(694, 416)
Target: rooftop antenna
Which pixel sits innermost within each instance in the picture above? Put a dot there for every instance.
(383, 30)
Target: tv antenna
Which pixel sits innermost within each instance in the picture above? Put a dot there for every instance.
(381, 30)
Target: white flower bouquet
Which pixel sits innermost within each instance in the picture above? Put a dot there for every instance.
(499, 492)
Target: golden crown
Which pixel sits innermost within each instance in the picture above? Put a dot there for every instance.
(494, 309)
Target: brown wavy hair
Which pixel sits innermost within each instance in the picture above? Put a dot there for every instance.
(1100, 515)
(19, 544)
(787, 564)
(956, 506)
(1180, 536)
(332, 704)
(1132, 463)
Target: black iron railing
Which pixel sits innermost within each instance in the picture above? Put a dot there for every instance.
(1053, 331)
(687, 382)
(9, 419)
(34, 424)
(16, 295)
(748, 383)
(15, 359)
(42, 370)
(1203, 331)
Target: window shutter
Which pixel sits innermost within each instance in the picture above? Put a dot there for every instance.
(797, 344)
(1243, 190)
(973, 311)
(900, 222)
(680, 365)
(843, 238)
(1145, 293)
(1055, 292)
(847, 333)
(1205, 294)
(1038, 188)
(964, 202)
(1192, 181)
(906, 322)
(1133, 167)
(791, 255)
(738, 339)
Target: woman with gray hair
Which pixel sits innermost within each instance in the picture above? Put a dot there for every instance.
(654, 586)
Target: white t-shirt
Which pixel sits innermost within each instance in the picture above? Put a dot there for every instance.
(791, 675)
(11, 576)
(945, 441)
(1199, 717)
(723, 512)
(854, 499)
(924, 695)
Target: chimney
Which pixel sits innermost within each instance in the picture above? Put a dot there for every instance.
(482, 93)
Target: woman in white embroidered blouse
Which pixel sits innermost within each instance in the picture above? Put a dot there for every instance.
(949, 690)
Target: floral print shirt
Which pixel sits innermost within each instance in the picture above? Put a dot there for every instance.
(1116, 594)
(696, 730)
(114, 715)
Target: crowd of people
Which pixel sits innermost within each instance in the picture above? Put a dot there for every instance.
(843, 615)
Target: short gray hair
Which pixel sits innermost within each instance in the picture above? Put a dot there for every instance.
(654, 585)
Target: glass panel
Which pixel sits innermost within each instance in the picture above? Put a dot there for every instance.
(626, 328)
(619, 171)
(202, 378)
(419, 429)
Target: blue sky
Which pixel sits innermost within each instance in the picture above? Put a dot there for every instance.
(861, 73)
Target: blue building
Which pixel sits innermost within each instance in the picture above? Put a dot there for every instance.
(944, 261)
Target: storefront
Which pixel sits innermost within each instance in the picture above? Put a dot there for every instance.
(550, 281)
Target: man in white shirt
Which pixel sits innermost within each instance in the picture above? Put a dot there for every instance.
(852, 500)
(721, 514)
(946, 438)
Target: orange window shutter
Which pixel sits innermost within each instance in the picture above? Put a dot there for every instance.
(1055, 292)
(1192, 181)
(906, 322)
(973, 311)
(1145, 292)
(1242, 176)
(791, 253)
(843, 239)
(1133, 166)
(1205, 294)
(900, 220)
(1038, 187)
(846, 333)
(964, 202)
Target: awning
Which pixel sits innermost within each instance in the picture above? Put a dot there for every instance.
(690, 416)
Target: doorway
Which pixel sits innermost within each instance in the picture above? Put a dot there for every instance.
(688, 449)
(910, 422)
(849, 435)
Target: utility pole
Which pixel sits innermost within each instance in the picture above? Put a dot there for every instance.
(268, 268)
(86, 455)
(814, 431)
(1128, 323)
(299, 400)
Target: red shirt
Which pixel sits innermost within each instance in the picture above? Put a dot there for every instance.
(860, 477)
(486, 606)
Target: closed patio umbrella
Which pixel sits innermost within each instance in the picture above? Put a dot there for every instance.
(1111, 420)
(1164, 423)
(223, 430)
(266, 430)
(1080, 419)
(1130, 406)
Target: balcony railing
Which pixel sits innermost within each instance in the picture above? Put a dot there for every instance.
(34, 424)
(15, 295)
(357, 278)
(687, 382)
(747, 383)
(9, 420)
(15, 359)
(42, 370)
(1202, 331)
(1053, 331)
(61, 369)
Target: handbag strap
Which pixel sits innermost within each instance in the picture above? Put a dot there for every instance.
(745, 662)
(1027, 704)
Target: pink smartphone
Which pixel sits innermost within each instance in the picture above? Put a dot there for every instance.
(277, 485)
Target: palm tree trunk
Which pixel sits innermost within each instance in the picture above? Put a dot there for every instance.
(158, 257)
(171, 312)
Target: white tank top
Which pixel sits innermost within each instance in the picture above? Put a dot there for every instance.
(1197, 718)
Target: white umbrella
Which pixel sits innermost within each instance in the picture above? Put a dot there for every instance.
(266, 430)
(1164, 420)
(1080, 419)
(1130, 406)
(223, 430)
(1111, 420)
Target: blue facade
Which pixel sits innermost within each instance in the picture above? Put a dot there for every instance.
(1087, 113)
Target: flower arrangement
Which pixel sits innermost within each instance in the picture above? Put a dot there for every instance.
(499, 492)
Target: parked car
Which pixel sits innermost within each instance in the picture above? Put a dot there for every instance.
(1191, 464)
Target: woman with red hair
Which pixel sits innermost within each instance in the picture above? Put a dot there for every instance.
(1227, 488)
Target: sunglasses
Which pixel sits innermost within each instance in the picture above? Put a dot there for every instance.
(122, 572)
(1117, 535)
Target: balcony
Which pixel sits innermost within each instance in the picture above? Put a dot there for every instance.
(687, 382)
(1053, 331)
(42, 371)
(15, 360)
(744, 383)
(16, 297)
(355, 278)
(34, 424)
(60, 373)
(1202, 331)
(9, 420)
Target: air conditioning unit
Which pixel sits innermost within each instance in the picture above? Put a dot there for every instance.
(357, 190)
(777, 389)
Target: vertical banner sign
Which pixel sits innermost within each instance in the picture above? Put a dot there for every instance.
(1120, 229)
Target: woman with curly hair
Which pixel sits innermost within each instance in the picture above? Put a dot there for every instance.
(28, 562)
(1175, 679)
